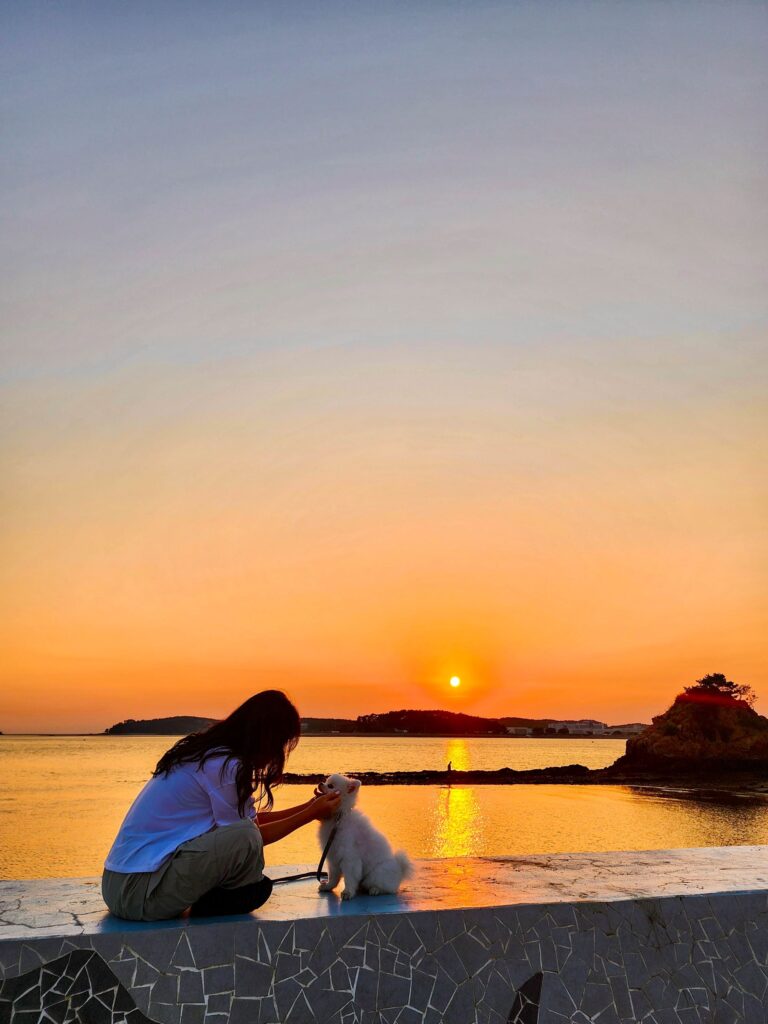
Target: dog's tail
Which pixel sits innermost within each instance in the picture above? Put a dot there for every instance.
(405, 864)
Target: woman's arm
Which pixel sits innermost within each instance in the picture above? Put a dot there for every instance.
(265, 816)
(321, 807)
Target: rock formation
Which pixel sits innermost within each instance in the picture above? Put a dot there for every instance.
(701, 731)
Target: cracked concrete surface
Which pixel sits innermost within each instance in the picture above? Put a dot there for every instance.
(73, 906)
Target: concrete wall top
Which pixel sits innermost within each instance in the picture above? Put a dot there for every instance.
(67, 907)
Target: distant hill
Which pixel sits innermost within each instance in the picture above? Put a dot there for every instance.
(418, 723)
(389, 723)
(323, 726)
(178, 725)
(431, 723)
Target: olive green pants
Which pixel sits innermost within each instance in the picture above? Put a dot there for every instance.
(226, 858)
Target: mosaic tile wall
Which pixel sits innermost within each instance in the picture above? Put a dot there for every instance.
(672, 960)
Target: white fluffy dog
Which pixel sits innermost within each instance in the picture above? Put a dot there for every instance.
(358, 852)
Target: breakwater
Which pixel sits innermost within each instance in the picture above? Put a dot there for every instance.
(428, 777)
(699, 780)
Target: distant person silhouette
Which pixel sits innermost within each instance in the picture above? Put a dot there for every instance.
(450, 769)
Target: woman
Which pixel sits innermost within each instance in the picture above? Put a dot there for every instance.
(193, 836)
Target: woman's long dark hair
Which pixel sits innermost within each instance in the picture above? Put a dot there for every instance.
(259, 734)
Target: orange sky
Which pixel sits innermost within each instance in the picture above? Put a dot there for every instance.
(572, 560)
(458, 372)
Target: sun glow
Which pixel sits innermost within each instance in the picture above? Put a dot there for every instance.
(455, 681)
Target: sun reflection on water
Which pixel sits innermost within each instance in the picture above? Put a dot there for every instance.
(457, 755)
(458, 827)
(457, 823)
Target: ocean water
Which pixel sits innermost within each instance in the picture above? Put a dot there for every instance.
(62, 800)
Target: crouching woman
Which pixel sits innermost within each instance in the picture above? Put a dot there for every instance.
(193, 837)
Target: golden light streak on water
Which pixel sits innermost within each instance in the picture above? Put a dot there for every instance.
(458, 755)
(457, 822)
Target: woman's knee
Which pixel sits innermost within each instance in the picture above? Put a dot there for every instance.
(244, 837)
(241, 847)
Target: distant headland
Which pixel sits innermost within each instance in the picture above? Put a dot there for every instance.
(402, 723)
(176, 725)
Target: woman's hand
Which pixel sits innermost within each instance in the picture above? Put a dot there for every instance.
(326, 805)
(285, 822)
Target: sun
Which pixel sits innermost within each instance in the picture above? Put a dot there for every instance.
(455, 681)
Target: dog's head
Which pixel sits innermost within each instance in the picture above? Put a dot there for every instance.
(348, 788)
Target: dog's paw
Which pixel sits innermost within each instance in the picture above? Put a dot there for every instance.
(374, 890)
(324, 887)
(347, 894)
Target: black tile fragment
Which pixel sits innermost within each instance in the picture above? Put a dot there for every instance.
(525, 1009)
(65, 989)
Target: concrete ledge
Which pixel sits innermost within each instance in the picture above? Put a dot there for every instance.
(667, 937)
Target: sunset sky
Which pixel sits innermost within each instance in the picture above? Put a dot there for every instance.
(348, 348)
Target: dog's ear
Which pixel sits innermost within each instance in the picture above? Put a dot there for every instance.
(354, 785)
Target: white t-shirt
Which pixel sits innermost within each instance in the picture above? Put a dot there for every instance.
(173, 808)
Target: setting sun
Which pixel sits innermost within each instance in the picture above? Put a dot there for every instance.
(455, 681)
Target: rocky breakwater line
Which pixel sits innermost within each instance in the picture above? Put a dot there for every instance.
(501, 776)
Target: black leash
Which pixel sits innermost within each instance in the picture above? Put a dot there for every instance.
(320, 875)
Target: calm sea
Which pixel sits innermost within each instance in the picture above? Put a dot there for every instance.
(62, 799)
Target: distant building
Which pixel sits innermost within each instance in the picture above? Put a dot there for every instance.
(630, 729)
(519, 730)
(582, 727)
